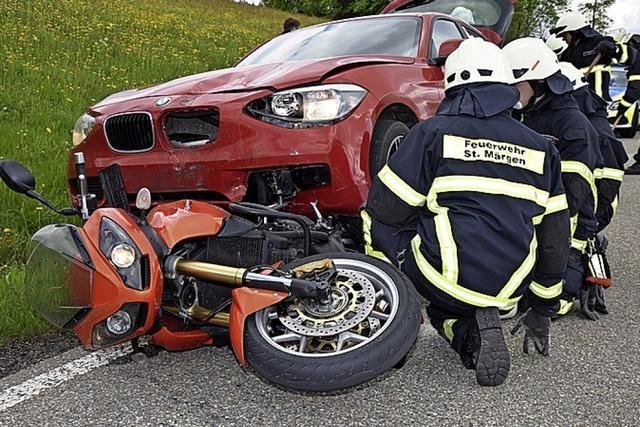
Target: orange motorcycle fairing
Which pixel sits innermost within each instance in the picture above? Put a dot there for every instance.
(108, 291)
(186, 219)
(172, 336)
(247, 301)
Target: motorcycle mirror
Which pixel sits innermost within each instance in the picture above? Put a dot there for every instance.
(17, 177)
(143, 199)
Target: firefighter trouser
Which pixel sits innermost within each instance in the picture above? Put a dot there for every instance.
(455, 331)
(574, 276)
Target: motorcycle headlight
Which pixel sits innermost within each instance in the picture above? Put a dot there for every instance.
(614, 105)
(82, 129)
(308, 106)
(119, 248)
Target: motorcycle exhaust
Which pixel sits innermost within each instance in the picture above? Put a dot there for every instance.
(239, 277)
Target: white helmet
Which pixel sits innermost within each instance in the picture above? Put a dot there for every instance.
(463, 14)
(531, 59)
(622, 36)
(569, 22)
(557, 45)
(476, 61)
(574, 75)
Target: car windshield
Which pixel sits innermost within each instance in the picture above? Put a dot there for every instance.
(618, 77)
(398, 36)
(484, 13)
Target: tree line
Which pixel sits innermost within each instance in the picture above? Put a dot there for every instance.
(531, 18)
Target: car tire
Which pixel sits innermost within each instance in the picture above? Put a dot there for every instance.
(631, 132)
(351, 368)
(387, 136)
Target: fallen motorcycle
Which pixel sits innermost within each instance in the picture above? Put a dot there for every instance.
(279, 288)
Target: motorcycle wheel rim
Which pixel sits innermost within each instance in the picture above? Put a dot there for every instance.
(299, 345)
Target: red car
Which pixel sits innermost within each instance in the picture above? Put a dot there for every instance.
(308, 116)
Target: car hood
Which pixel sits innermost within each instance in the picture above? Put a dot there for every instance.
(243, 78)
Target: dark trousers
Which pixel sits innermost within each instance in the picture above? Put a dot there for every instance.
(574, 276)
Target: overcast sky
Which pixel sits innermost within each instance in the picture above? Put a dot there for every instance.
(625, 14)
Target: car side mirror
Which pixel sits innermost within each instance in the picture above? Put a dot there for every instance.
(17, 177)
(446, 48)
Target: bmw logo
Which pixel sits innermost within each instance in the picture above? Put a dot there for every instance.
(163, 101)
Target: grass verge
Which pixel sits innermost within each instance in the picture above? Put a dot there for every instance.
(60, 56)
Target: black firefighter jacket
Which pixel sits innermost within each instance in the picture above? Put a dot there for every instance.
(578, 144)
(582, 52)
(609, 176)
(484, 195)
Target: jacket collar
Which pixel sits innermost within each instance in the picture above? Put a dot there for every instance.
(479, 100)
(553, 102)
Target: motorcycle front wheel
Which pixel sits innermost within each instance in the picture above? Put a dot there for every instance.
(369, 327)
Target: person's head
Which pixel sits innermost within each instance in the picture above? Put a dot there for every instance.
(536, 70)
(568, 27)
(557, 45)
(476, 61)
(575, 76)
(291, 24)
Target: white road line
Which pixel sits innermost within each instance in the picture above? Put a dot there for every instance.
(53, 378)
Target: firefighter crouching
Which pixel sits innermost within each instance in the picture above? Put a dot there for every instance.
(472, 208)
(550, 109)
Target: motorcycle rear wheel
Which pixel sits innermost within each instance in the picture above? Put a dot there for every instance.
(298, 354)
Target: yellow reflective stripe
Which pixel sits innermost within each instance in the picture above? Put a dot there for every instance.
(522, 272)
(609, 173)
(556, 204)
(486, 185)
(614, 205)
(400, 188)
(448, 249)
(634, 78)
(565, 307)
(453, 289)
(578, 244)
(366, 229)
(625, 53)
(598, 83)
(545, 292)
(571, 166)
(574, 224)
(448, 329)
(625, 103)
(597, 69)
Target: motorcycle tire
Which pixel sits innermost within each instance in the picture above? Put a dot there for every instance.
(387, 137)
(359, 364)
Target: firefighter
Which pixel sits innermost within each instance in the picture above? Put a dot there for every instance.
(609, 176)
(472, 209)
(549, 109)
(588, 50)
(629, 47)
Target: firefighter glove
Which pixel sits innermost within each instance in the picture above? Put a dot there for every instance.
(537, 328)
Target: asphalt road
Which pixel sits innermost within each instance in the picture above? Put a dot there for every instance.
(592, 376)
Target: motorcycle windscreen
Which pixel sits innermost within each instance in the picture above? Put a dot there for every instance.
(58, 275)
(494, 15)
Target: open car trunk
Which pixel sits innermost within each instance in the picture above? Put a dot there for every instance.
(491, 17)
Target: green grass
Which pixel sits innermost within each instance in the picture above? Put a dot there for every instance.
(59, 56)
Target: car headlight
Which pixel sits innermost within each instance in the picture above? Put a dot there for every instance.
(119, 248)
(308, 106)
(614, 105)
(83, 128)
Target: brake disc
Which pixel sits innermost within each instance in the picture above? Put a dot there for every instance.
(353, 297)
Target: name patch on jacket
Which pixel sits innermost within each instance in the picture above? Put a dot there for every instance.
(486, 150)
